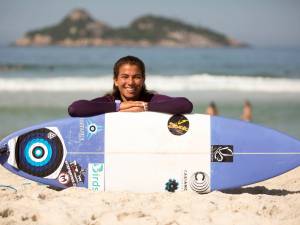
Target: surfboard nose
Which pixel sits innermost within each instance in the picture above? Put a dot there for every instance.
(257, 153)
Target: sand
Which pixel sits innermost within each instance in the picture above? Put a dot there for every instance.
(276, 201)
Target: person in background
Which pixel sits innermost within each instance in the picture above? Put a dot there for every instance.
(130, 94)
(212, 109)
(247, 111)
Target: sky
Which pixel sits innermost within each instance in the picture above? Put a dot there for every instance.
(262, 23)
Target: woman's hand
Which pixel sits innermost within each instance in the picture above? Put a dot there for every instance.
(133, 106)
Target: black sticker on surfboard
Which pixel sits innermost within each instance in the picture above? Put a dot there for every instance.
(171, 185)
(178, 124)
(222, 153)
(39, 152)
(71, 174)
(199, 182)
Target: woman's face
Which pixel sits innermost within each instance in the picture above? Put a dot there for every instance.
(129, 82)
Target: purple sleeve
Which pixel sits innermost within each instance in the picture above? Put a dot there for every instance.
(83, 108)
(172, 105)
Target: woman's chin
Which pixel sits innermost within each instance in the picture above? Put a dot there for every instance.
(131, 98)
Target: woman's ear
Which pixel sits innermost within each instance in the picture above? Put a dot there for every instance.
(115, 82)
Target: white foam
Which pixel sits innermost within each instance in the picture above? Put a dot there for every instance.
(201, 82)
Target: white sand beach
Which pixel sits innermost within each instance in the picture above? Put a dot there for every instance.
(275, 201)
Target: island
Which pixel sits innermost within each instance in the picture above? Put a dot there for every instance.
(79, 28)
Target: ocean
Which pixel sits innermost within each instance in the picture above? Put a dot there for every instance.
(38, 83)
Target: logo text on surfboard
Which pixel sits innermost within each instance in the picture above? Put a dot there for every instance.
(96, 176)
(178, 124)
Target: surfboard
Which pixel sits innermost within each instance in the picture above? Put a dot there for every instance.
(149, 152)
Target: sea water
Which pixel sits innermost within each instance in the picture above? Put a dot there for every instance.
(38, 84)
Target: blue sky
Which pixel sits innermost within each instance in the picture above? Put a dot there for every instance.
(258, 22)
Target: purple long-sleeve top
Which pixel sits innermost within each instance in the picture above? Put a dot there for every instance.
(105, 104)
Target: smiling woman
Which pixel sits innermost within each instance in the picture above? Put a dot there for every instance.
(129, 94)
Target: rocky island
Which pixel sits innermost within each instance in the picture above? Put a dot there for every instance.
(79, 28)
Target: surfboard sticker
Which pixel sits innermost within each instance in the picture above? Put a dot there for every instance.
(178, 124)
(92, 128)
(71, 174)
(222, 153)
(199, 182)
(171, 185)
(39, 152)
(96, 176)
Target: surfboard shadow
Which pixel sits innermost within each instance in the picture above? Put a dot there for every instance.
(55, 188)
(258, 190)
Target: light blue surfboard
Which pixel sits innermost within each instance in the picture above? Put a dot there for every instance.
(147, 152)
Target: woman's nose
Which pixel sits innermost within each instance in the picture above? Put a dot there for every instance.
(130, 81)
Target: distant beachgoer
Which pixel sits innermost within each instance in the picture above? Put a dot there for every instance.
(129, 94)
(247, 111)
(212, 109)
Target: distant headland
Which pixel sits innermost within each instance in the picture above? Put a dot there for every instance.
(79, 28)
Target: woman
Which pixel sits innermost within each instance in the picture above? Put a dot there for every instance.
(130, 94)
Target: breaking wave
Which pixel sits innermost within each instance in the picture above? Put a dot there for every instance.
(200, 82)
